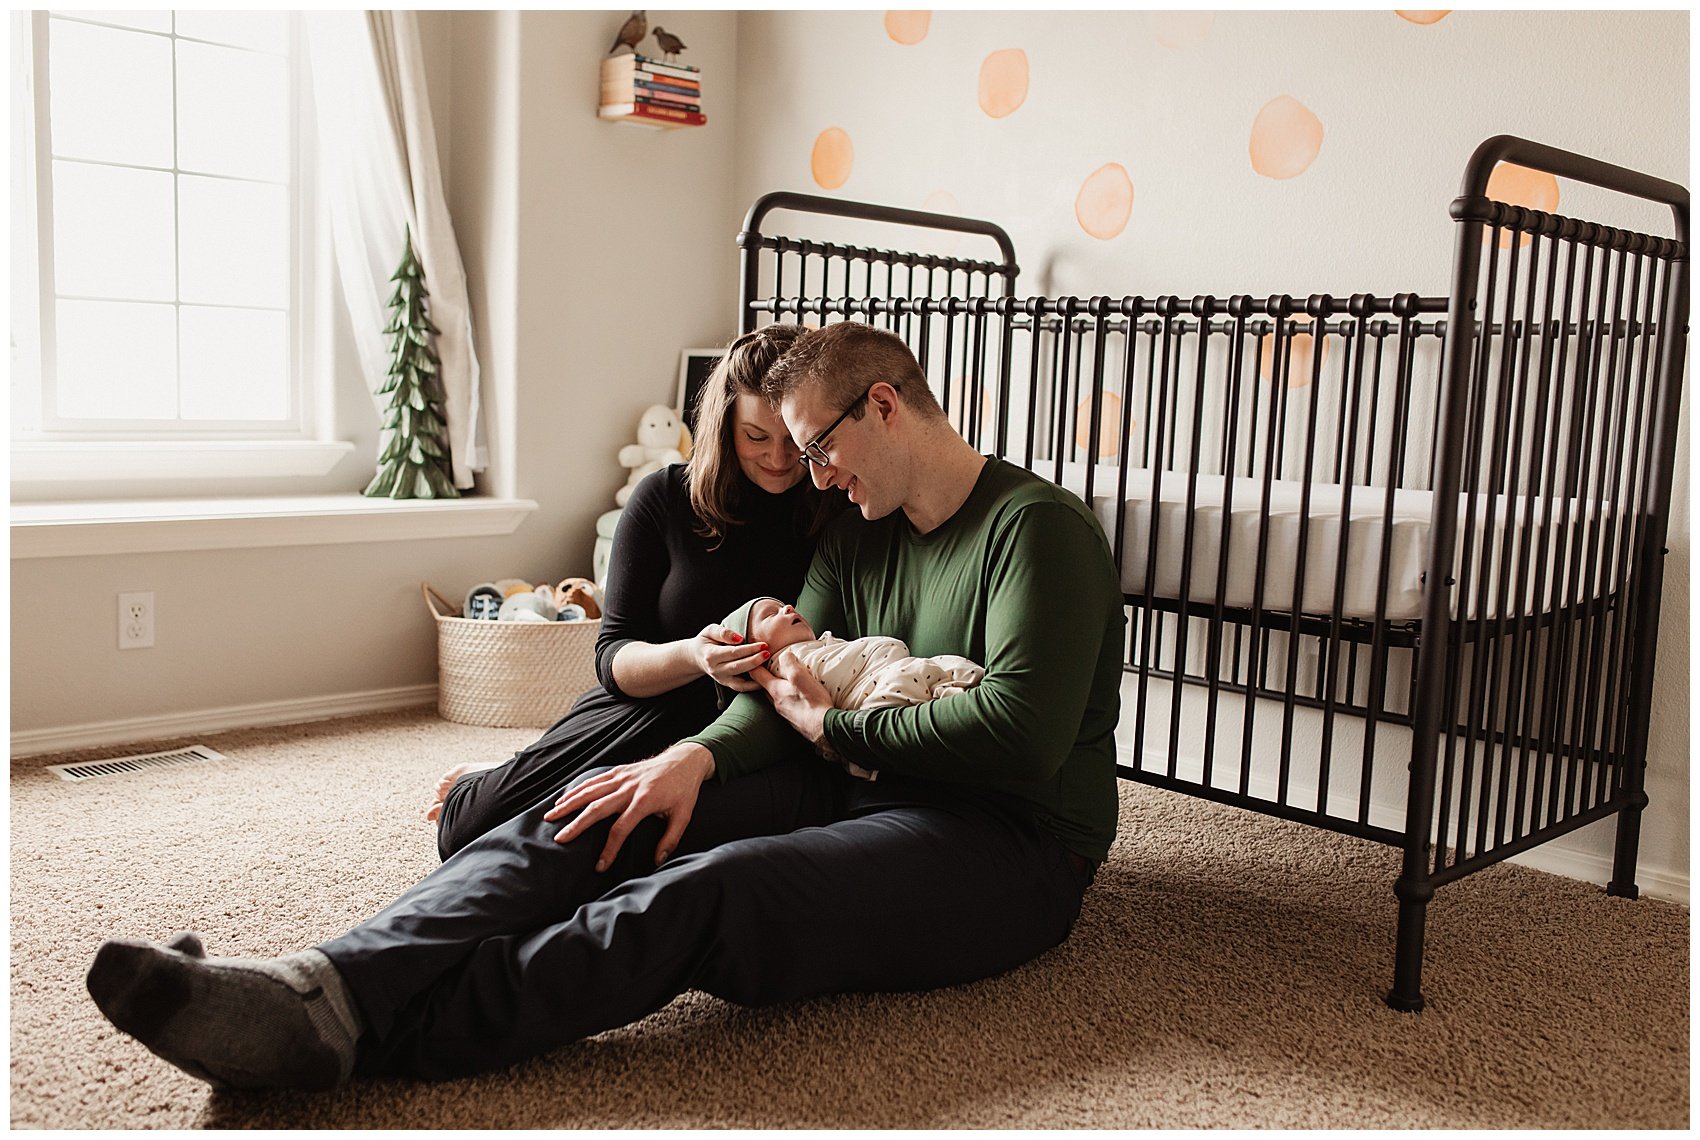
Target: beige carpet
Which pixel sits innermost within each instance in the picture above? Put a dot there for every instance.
(1227, 971)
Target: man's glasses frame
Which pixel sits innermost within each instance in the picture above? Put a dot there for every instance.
(814, 451)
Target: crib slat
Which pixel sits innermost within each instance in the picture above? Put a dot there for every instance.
(1602, 660)
(1514, 597)
(1238, 308)
(1629, 526)
(1150, 616)
(1585, 387)
(1203, 308)
(1405, 360)
(1581, 714)
(1454, 770)
(1525, 679)
(1344, 474)
(1319, 308)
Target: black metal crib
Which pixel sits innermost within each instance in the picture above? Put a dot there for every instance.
(1418, 540)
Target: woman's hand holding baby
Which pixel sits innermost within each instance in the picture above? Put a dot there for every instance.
(723, 654)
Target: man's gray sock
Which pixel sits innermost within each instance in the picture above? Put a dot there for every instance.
(284, 1022)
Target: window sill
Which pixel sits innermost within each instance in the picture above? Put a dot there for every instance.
(117, 461)
(67, 529)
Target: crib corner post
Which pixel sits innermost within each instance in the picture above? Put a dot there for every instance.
(1622, 883)
(1406, 996)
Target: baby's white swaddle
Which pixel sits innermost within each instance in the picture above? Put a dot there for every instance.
(879, 673)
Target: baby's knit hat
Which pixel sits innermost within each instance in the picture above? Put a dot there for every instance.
(738, 621)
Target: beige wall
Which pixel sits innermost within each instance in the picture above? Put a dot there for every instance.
(1173, 99)
(594, 253)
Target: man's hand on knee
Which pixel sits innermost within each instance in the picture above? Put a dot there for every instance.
(666, 785)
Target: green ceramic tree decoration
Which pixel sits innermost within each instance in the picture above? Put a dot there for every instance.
(415, 461)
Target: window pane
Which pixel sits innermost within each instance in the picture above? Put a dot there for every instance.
(114, 233)
(263, 31)
(110, 94)
(116, 360)
(232, 112)
(235, 364)
(147, 21)
(234, 247)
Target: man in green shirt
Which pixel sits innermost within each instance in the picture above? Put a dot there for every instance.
(740, 862)
(954, 553)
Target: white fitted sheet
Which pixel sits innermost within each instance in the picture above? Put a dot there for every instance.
(1407, 538)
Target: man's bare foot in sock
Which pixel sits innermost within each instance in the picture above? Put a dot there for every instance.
(285, 1022)
(448, 781)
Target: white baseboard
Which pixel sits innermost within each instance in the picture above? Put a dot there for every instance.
(1589, 867)
(38, 741)
(1554, 858)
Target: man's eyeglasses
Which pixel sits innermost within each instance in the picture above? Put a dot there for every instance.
(814, 451)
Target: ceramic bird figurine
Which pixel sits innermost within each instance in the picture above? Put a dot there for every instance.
(631, 32)
(671, 45)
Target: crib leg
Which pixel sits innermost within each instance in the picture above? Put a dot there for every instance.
(1622, 884)
(1406, 996)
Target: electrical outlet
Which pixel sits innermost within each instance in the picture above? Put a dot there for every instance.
(135, 621)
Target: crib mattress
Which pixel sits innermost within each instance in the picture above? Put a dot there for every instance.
(1231, 509)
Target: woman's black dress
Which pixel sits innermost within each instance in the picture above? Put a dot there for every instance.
(664, 583)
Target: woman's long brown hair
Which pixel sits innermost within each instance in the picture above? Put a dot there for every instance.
(713, 475)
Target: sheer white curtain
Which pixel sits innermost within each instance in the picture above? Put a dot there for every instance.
(379, 157)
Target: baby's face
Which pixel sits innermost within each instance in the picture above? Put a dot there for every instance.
(778, 624)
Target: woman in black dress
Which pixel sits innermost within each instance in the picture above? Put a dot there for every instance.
(695, 540)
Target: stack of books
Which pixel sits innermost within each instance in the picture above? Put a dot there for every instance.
(638, 89)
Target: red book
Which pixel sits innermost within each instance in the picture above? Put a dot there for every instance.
(653, 113)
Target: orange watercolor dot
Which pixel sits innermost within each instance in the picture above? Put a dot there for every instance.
(1182, 29)
(1109, 425)
(1431, 16)
(832, 158)
(1105, 201)
(1003, 82)
(1520, 186)
(908, 27)
(1285, 138)
(1301, 358)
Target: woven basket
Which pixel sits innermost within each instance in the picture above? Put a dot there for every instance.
(509, 674)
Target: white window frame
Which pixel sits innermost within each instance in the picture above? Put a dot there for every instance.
(110, 454)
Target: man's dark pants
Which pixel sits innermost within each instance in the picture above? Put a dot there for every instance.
(792, 882)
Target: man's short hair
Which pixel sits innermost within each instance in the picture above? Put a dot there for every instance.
(842, 361)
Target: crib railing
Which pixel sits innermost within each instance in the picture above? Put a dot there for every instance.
(1285, 481)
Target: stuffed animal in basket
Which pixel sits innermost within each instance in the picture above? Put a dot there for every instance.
(580, 592)
(663, 438)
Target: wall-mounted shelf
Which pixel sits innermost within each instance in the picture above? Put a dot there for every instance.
(647, 92)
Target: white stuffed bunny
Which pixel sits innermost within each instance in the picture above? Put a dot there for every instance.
(662, 439)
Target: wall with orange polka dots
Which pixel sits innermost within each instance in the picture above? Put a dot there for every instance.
(1202, 152)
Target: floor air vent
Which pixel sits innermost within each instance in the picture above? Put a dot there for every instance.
(118, 765)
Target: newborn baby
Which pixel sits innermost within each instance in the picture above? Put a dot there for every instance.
(867, 673)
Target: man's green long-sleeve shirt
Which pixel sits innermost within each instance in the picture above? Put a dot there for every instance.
(1020, 580)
